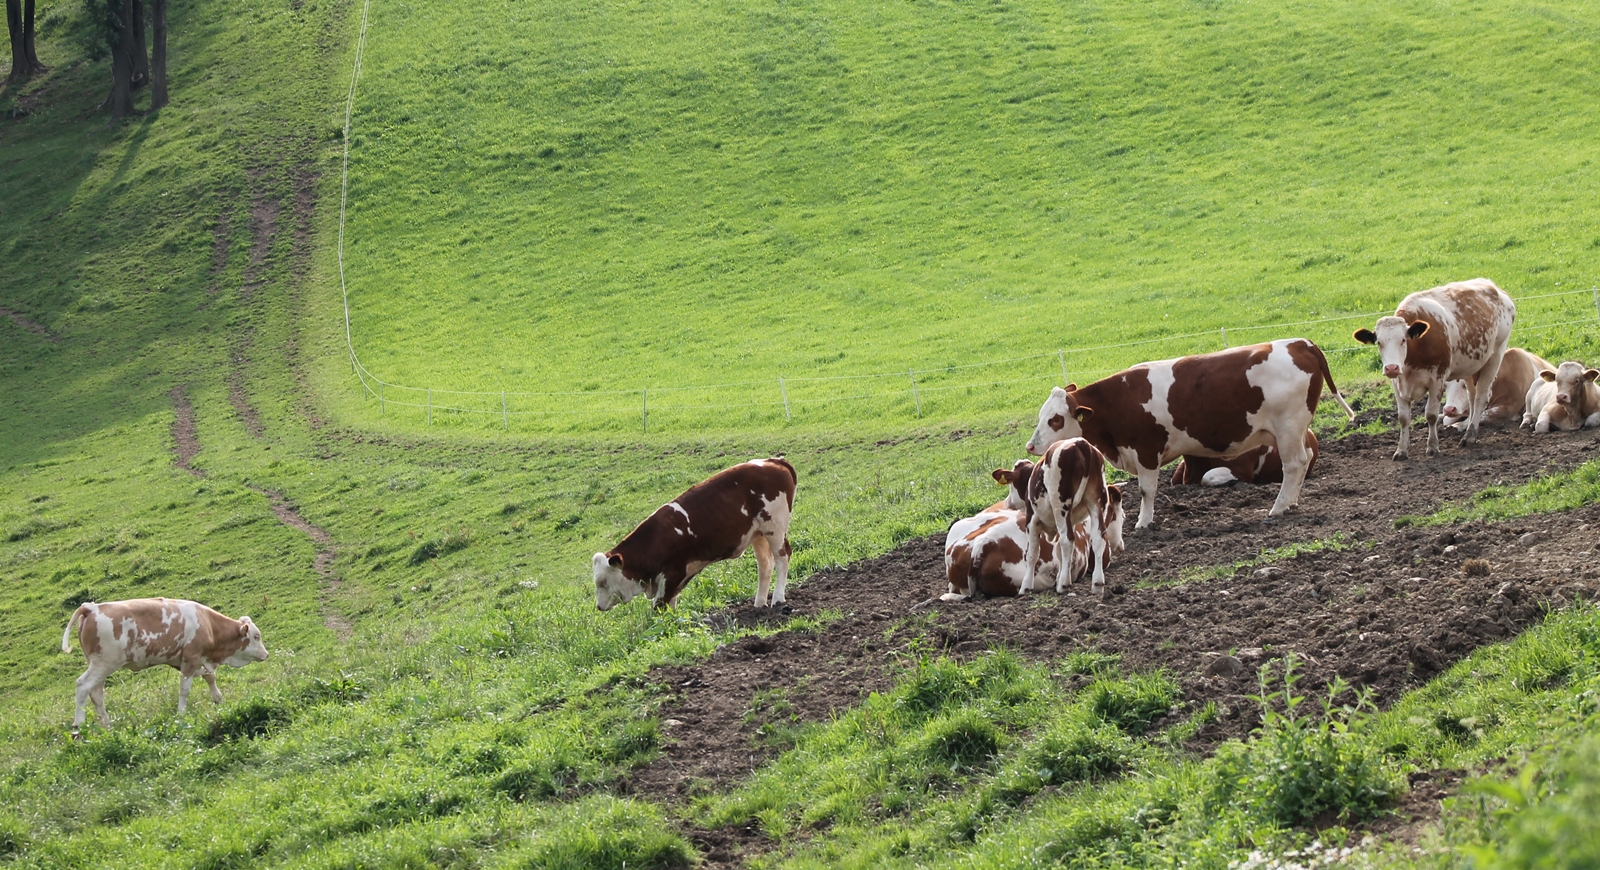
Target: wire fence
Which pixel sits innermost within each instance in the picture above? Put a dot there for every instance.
(937, 391)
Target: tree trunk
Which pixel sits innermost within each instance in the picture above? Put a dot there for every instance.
(34, 66)
(141, 55)
(122, 64)
(158, 59)
(19, 56)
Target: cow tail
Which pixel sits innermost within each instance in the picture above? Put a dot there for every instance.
(77, 617)
(1328, 376)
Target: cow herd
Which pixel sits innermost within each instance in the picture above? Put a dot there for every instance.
(1238, 414)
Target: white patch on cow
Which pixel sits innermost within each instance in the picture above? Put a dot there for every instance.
(1161, 380)
(688, 528)
(1219, 476)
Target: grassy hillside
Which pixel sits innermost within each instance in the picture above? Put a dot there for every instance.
(742, 192)
(598, 199)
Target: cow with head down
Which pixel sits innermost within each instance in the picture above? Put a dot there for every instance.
(1215, 404)
(748, 505)
(146, 632)
(983, 554)
(1455, 332)
(1564, 399)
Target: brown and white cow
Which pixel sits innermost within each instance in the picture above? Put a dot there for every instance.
(145, 632)
(1564, 399)
(983, 553)
(1215, 404)
(1508, 397)
(1068, 497)
(1261, 465)
(1454, 332)
(719, 518)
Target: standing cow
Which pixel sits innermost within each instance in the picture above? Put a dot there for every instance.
(1068, 497)
(1565, 399)
(146, 632)
(716, 519)
(1455, 332)
(1214, 404)
(1508, 397)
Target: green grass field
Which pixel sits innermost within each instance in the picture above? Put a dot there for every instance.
(644, 196)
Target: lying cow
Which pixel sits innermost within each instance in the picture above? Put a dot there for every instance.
(1564, 399)
(146, 632)
(1215, 404)
(1508, 397)
(983, 554)
(1261, 465)
(719, 518)
(1068, 497)
(1455, 332)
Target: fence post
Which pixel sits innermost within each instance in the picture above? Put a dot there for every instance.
(1596, 302)
(1224, 338)
(380, 398)
(644, 410)
(785, 391)
(430, 406)
(914, 396)
(1062, 356)
(504, 416)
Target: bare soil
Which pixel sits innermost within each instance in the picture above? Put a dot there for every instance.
(185, 443)
(30, 325)
(1385, 608)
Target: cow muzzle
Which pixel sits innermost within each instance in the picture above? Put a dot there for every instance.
(1391, 371)
(1563, 399)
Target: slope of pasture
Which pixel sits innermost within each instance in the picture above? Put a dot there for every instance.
(614, 197)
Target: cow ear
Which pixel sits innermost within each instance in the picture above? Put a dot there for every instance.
(1417, 329)
(244, 626)
(1001, 476)
(1082, 414)
(1072, 388)
(1548, 376)
(1591, 374)
(1365, 336)
(614, 560)
(1115, 491)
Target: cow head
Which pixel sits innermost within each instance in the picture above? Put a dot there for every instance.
(1114, 518)
(253, 650)
(1060, 417)
(1017, 480)
(1569, 378)
(611, 586)
(1391, 336)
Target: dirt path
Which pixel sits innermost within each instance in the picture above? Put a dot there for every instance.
(29, 325)
(323, 563)
(1384, 608)
(185, 443)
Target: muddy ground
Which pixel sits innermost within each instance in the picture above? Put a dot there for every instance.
(1387, 609)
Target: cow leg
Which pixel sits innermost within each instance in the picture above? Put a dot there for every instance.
(85, 689)
(1066, 542)
(1430, 414)
(185, 680)
(1097, 550)
(764, 560)
(1030, 559)
(97, 694)
(1481, 390)
(1296, 462)
(1149, 478)
(1403, 411)
(210, 675)
(780, 580)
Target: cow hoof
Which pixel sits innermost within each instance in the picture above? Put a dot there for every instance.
(785, 609)
(1401, 457)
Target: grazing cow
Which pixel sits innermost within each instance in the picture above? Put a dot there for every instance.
(1215, 404)
(1455, 332)
(146, 632)
(716, 519)
(1565, 399)
(1261, 465)
(1068, 497)
(1508, 397)
(983, 554)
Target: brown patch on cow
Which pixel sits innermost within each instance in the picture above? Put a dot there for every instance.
(1477, 305)
(1119, 418)
(322, 563)
(991, 575)
(185, 443)
(29, 325)
(1429, 351)
(1307, 357)
(1258, 465)
(715, 526)
(1211, 395)
(88, 633)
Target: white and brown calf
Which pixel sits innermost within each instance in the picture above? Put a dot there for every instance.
(1068, 497)
(1455, 332)
(1215, 404)
(1564, 399)
(748, 505)
(1508, 396)
(145, 632)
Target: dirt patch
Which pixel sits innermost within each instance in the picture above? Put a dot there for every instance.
(322, 563)
(185, 443)
(221, 241)
(29, 325)
(1382, 607)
